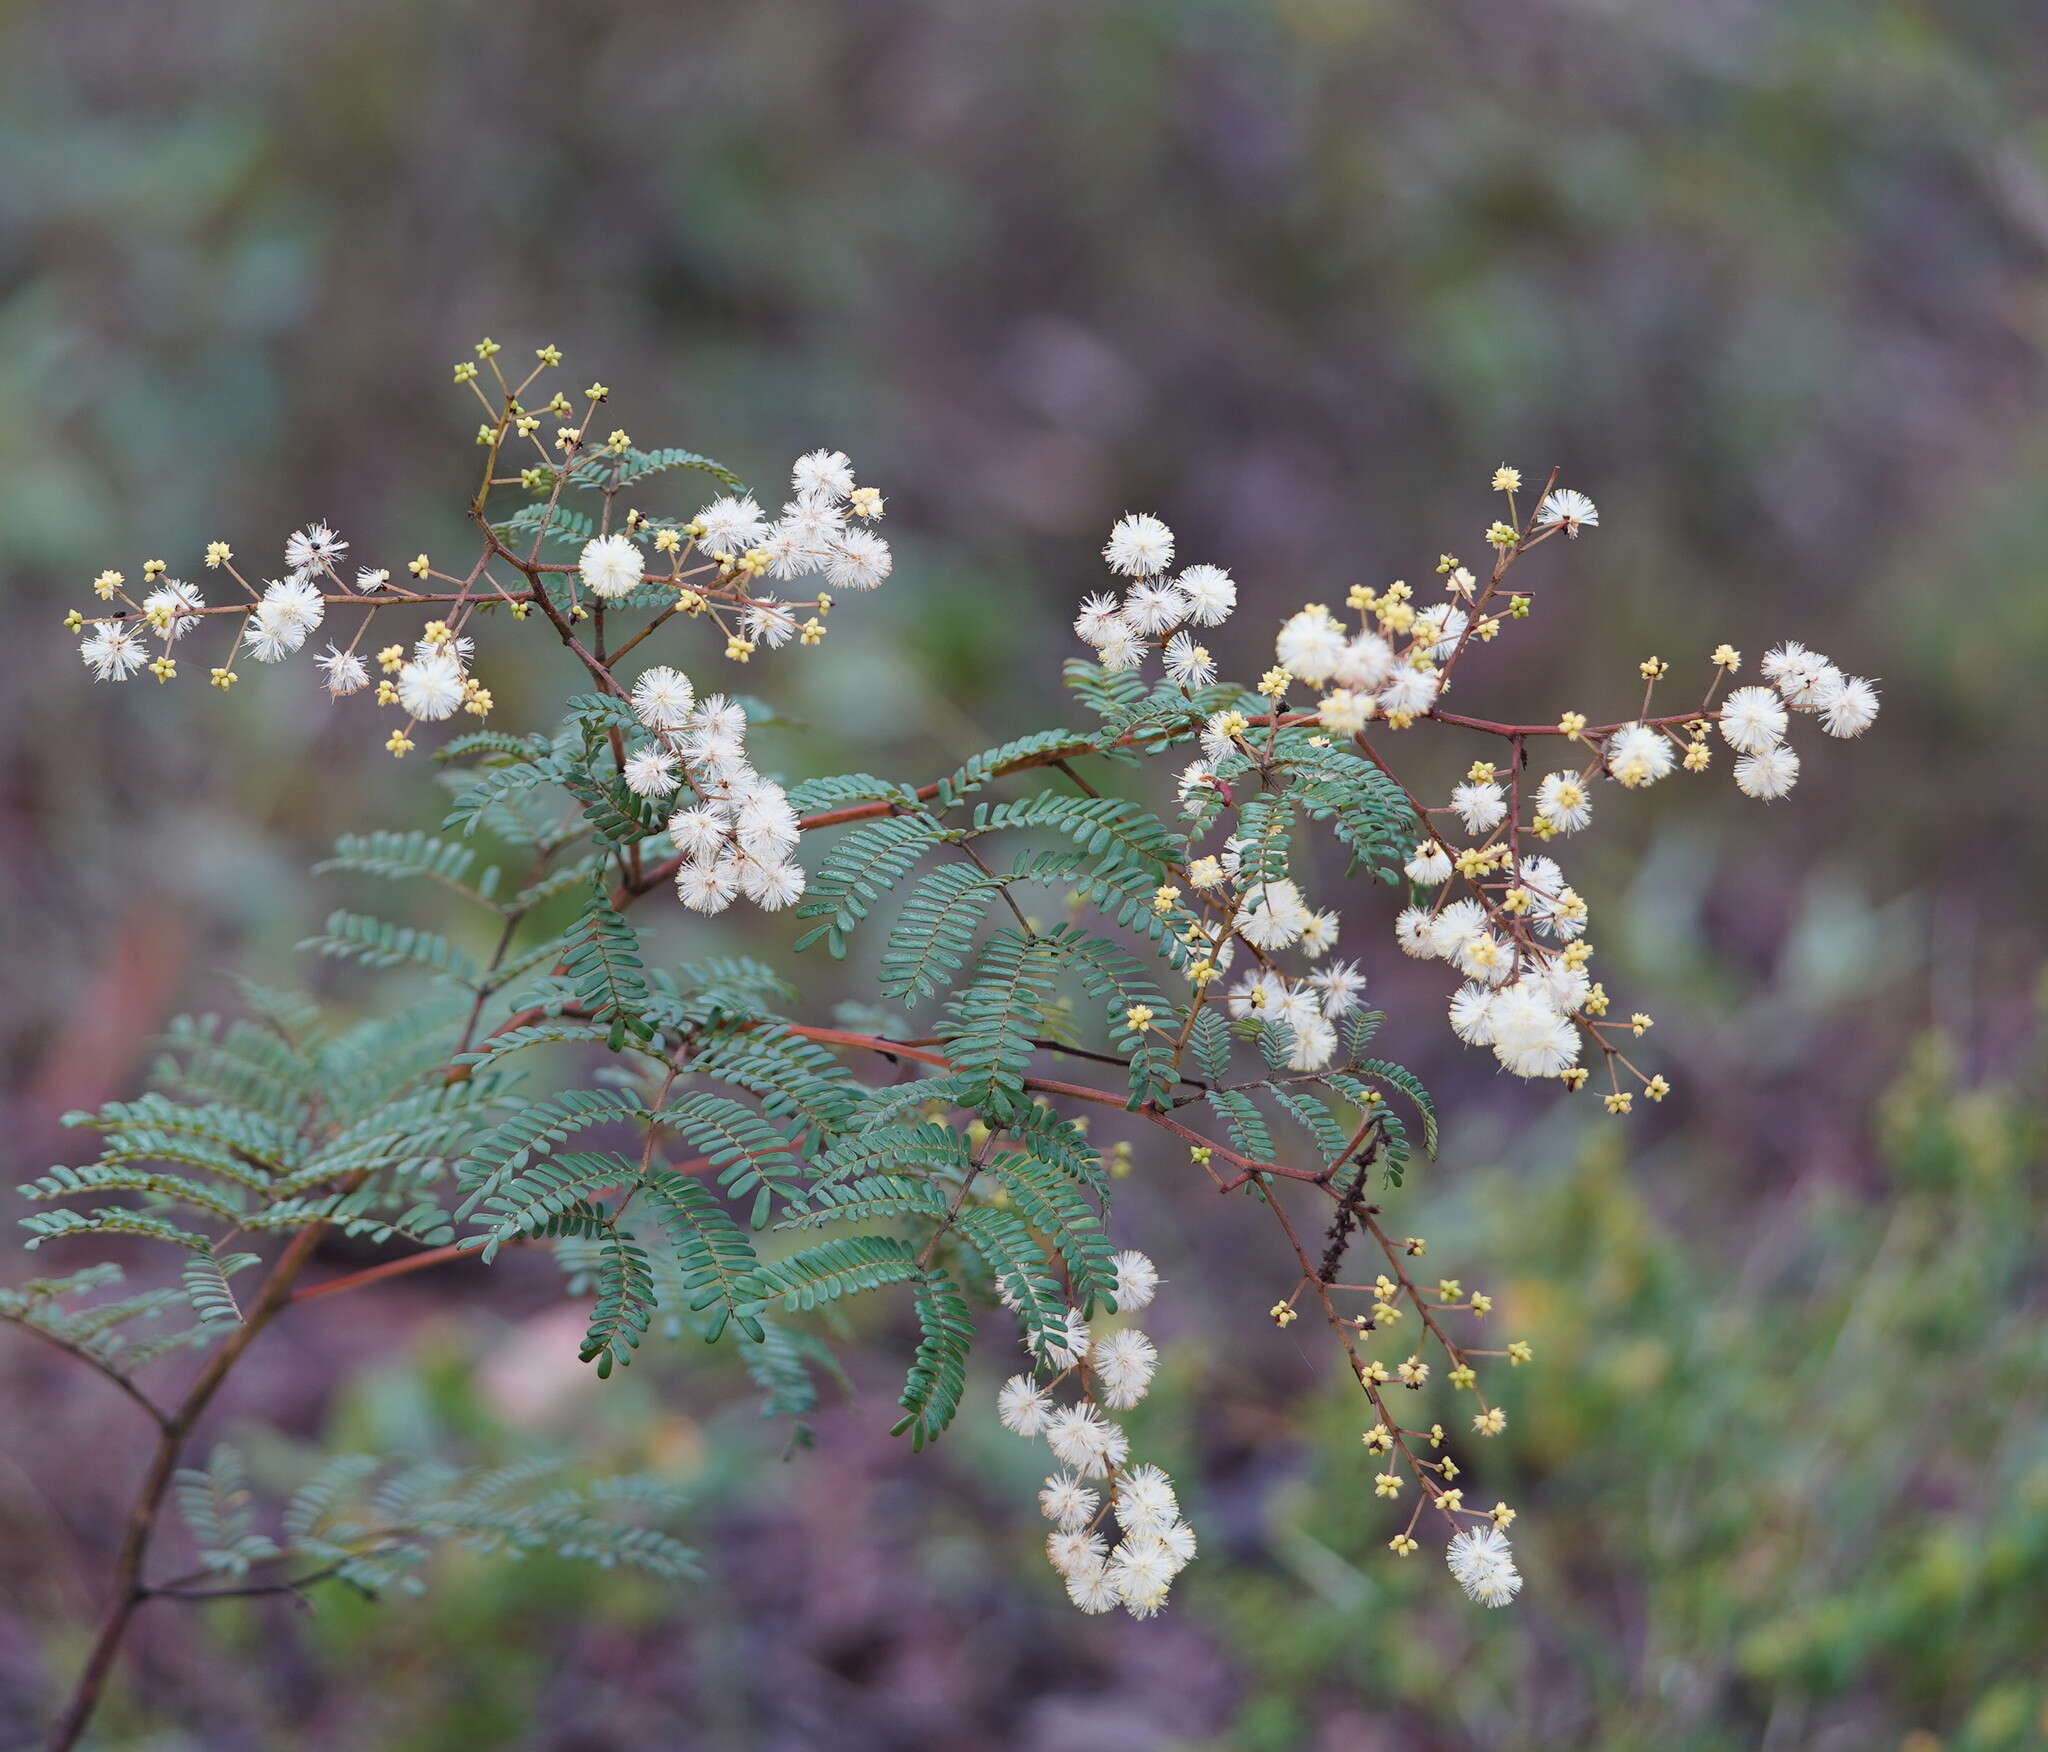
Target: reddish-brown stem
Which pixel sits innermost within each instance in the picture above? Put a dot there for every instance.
(126, 1592)
(377, 1274)
(1591, 730)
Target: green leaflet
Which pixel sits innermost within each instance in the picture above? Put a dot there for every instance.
(208, 1290)
(935, 931)
(399, 857)
(377, 943)
(563, 524)
(1120, 835)
(866, 863)
(547, 1192)
(1017, 1265)
(625, 1303)
(831, 1270)
(717, 1260)
(938, 1372)
(532, 1132)
(753, 1159)
(1038, 750)
(1047, 1198)
(1247, 1126)
(636, 465)
(216, 1506)
(989, 1027)
(601, 960)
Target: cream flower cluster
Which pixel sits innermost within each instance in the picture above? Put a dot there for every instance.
(276, 620)
(1519, 940)
(821, 533)
(1520, 990)
(706, 566)
(1099, 1492)
(1517, 931)
(1754, 721)
(1271, 916)
(1155, 611)
(737, 835)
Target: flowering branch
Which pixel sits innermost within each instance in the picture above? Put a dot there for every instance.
(1189, 940)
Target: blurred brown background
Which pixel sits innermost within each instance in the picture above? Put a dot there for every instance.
(1769, 282)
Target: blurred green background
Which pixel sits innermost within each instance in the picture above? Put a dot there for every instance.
(1769, 281)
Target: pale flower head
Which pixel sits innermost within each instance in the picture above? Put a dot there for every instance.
(1145, 1502)
(346, 672)
(1340, 984)
(1066, 1501)
(1124, 1362)
(610, 566)
(1429, 866)
(1023, 1406)
(173, 608)
(1120, 648)
(731, 525)
(1072, 1551)
(651, 772)
(707, 887)
(314, 546)
(1189, 663)
(112, 653)
(1344, 712)
(1137, 1281)
(1366, 663)
(1847, 706)
(1412, 691)
(1484, 1565)
(1530, 1037)
(1139, 547)
(1315, 1044)
(1480, 805)
(1100, 619)
(773, 885)
(1079, 1438)
(1153, 607)
(1091, 1588)
(1573, 510)
(1752, 719)
(430, 688)
(1638, 755)
(292, 608)
(1801, 675)
(1565, 800)
(1455, 926)
(823, 474)
(698, 832)
(1143, 1571)
(1415, 931)
(662, 698)
(1767, 774)
(1211, 594)
(1310, 646)
(1472, 1015)
(1439, 628)
(857, 559)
